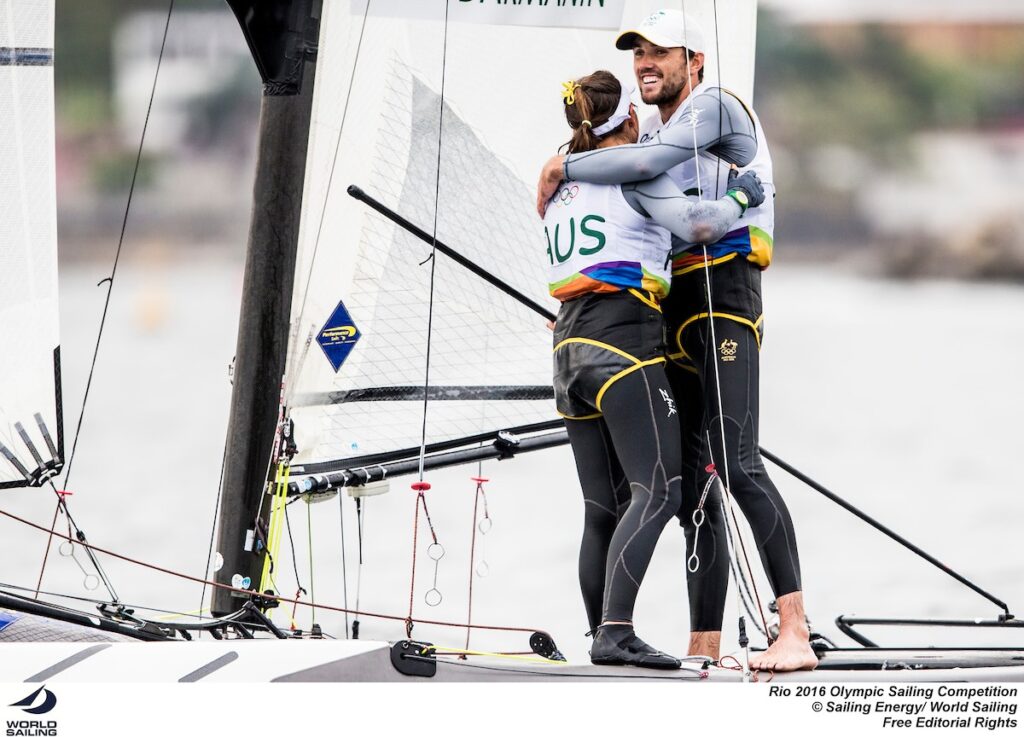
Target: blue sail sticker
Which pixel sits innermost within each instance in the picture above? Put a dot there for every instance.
(7, 619)
(338, 336)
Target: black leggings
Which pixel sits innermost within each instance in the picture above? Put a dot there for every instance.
(628, 464)
(736, 352)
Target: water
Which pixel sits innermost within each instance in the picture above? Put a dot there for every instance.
(903, 398)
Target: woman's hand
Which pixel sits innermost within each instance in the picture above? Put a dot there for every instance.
(550, 178)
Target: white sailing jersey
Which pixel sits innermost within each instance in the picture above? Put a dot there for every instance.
(753, 234)
(597, 242)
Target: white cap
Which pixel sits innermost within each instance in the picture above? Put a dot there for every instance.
(668, 28)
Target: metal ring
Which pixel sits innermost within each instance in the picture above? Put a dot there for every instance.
(91, 579)
(432, 597)
(482, 569)
(698, 517)
(435, 551)
(693, 563)
(67, 549)
(485, 529)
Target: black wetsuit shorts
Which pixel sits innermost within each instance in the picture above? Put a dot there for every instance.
(599, 338)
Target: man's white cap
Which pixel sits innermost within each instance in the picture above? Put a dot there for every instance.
(668, 28)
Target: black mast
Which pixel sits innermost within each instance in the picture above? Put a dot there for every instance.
(282, 36)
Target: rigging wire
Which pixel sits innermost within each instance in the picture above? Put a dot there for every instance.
(213, 527)
(433, 245)
(267, 597)
(120, 243)
(90, 600)
(61, 502)
(421, 486)
(74, 532)
(709, 346)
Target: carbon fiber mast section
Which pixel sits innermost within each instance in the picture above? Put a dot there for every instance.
(282, 36)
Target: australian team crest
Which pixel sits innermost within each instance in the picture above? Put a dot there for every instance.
(338, 336)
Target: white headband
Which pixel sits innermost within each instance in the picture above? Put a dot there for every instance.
(620, 116)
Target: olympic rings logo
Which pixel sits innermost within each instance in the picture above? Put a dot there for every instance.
(565, 196)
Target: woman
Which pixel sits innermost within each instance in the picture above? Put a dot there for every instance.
(608, 249)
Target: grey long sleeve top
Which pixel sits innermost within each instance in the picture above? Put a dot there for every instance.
(714, 121)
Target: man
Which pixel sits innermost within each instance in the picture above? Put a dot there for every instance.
(714, 329)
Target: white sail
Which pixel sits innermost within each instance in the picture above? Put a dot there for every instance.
(29, 350)
(469, 172)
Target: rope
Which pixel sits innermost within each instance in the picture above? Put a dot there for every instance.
(511, 656)
(49, 543)
(272, 598)
(415, 540)
(75, 534)
(309, 543)
(480, 481)
(344, 559)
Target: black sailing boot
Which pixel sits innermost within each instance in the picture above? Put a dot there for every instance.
(617, 644)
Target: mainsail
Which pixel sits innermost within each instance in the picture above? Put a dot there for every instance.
(31, 436)
(444, 112)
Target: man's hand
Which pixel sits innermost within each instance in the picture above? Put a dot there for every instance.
(550, 178)
(749, 184)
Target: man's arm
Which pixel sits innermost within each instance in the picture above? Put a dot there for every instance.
(715, 121)
(688, 220)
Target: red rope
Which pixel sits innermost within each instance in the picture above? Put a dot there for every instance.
(268, 597)
(419, 487)
(49, 543)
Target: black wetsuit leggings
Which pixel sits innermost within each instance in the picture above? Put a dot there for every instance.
(736, 292)
(628, 464)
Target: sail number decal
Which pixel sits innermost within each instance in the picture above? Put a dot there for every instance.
(338, 336)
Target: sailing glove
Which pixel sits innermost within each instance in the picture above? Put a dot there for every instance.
(746, 189)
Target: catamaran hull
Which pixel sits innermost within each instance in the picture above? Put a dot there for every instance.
(107, 657)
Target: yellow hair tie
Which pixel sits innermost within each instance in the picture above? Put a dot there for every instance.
(586, 123)
(569, 91)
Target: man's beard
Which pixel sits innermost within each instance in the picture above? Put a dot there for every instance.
(668, 94)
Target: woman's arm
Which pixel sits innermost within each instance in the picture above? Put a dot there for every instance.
(689, 220)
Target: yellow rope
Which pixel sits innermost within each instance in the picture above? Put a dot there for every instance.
(525, 658)
(276, 522)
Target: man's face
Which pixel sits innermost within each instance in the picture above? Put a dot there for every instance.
(661, 73)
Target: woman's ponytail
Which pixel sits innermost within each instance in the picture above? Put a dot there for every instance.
(589, 102)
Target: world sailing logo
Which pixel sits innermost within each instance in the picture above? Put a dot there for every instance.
(40, 701)
(26, 704)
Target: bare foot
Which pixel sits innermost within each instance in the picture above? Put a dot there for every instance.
(792, 651)
(789, 652)
(708, 644)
